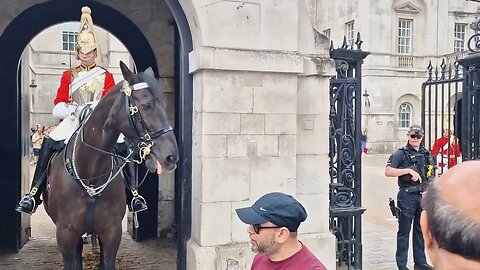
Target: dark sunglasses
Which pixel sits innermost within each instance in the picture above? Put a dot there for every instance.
(414, 136)
(258, 227)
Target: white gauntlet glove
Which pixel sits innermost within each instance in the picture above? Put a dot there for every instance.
(62, 110)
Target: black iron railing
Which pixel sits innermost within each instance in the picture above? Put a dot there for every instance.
(441, 113)
(345, 152)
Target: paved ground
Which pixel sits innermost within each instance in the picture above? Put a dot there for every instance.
(379, 227)
(41, 251)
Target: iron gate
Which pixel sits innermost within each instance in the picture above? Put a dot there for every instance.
(450, 108)
(470, 122)
(345, 153)
(441, 113)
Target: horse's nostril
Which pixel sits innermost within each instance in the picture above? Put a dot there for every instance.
(172, 159)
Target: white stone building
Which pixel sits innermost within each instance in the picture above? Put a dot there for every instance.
(402, 36)
(261, 77)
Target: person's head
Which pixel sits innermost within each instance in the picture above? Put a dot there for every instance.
(451, 218)
(415, 135)
(88, 49)
(274, 219)
(447, 132)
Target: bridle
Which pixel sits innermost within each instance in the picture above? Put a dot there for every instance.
(144, 139)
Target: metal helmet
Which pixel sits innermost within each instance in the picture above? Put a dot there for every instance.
(86, 39)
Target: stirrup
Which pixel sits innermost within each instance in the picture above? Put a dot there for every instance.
(22, 208)
(140, 206)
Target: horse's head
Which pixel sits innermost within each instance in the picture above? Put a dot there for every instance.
(143, 120)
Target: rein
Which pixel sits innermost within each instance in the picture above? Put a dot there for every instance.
(72, 170)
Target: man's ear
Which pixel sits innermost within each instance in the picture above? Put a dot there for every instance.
(282, 235)
(427, 235)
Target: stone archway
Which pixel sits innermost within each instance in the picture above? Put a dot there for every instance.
(23, 22)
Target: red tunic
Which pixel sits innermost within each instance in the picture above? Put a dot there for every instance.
(302, 260)
(442, 148)
(63, 94)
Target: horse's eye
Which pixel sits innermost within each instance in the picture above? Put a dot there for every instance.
(148, 105)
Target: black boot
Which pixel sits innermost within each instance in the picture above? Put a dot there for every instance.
(137, 203)
(32, 200)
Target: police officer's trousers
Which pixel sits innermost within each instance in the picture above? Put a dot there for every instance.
(409, 203)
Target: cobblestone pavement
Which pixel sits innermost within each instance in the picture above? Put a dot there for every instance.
(41, 251)
(379, 227)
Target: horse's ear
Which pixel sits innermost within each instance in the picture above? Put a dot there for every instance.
(127, 74)
(149, 71)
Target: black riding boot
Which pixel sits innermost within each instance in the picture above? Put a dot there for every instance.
(137, 203)
(30, 202)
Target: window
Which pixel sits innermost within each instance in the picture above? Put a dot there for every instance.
(349, 33)
(69, 38)
(405, 115)
(459, 37)
(327, 33)
(405, 36)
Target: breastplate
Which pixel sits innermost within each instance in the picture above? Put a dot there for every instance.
(90, 91)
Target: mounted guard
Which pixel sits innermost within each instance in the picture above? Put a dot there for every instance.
(80, 87)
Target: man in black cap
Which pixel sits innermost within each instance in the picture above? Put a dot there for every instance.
(274, 220)
(409, 164)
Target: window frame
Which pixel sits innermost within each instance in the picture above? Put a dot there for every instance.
(69, 43)
(405, 122)
(405, 36)
(459, 39)
(349, 32)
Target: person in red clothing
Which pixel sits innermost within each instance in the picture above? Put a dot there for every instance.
(80, 86)
(447, 151)
(274, 219)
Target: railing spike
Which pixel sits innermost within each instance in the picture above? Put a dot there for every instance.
(430, 71)
(442, 69)
(359, 42)
(344, 44)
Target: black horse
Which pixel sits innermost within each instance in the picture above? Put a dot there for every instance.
(86, 192)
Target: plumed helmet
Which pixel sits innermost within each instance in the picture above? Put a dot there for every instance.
(86, 39)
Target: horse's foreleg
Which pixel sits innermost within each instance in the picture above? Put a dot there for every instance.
(109, 243)
(71, 247)
(79, 252)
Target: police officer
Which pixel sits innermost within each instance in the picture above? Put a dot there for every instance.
(405, 165)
